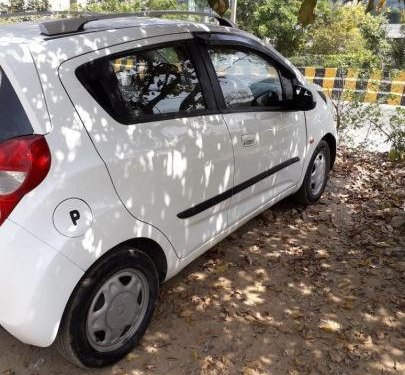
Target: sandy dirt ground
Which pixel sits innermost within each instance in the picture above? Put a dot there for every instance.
(319, 290)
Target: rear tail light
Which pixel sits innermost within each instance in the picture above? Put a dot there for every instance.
(24, 164)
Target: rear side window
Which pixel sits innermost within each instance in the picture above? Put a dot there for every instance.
(145, 84)
(13, 119)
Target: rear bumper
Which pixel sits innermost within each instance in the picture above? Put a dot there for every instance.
(35, 285)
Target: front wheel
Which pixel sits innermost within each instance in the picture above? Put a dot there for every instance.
(110, 309)
(316, 175)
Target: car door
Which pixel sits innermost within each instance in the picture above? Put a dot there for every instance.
(268, 139)
(152, 117)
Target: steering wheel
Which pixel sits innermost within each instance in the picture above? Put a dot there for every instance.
(255, 101)
(232, 87)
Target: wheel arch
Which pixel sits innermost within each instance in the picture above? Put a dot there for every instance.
(153, 250)
(331, 140)
(147, 246)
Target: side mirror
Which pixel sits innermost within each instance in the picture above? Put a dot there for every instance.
(304, 99)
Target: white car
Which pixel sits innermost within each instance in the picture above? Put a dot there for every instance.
(128, 147)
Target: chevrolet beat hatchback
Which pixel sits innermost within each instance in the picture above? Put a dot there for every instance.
(128, 147)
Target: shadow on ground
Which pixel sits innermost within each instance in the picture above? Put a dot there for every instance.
(295, 291)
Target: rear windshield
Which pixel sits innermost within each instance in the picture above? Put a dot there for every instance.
(13, 119)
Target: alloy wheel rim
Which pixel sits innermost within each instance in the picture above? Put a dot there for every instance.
(117, 310)
(318, 174)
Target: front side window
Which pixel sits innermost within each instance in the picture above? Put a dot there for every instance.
(146, 83)
(247, 80)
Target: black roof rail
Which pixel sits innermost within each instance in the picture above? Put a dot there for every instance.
(158, 13)
(75, 25)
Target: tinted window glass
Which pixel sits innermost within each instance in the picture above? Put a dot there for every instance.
(246, 79)
(13, 119)
(145, 83)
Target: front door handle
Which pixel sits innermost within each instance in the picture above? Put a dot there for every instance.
(248, 140)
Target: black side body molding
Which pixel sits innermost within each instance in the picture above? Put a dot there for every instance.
(203, 206)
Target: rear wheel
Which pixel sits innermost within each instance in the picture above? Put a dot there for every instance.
(316, 175)
(110, 310)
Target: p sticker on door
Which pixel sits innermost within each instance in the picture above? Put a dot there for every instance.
(73, 217)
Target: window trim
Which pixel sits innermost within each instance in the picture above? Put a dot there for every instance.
(205, 43)
(237, 40)
(202, 76)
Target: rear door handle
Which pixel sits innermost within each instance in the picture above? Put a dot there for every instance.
(248, 140)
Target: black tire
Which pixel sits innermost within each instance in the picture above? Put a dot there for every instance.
(305, 194)
(72, 341)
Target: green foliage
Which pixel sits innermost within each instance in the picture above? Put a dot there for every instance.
(3, 7)
(137, 5)
(109, 6)
(273, 19)
(341, 36)
(398, 51)
(348, 60)
(397, 134)
(112, 6)
(20, 6)
(352, 114)
(37, 6)
(348, 36)
(307, 11)
(373, 31)
(17, 6)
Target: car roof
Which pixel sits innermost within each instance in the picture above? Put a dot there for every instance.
(30, 32)
(86, 35)
(21, 32)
